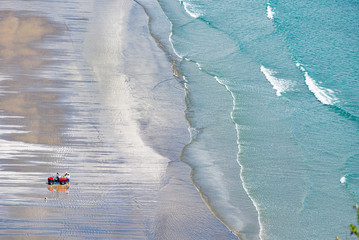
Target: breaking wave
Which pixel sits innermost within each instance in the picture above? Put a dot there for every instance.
(343, 179)
(192, 10)
(279, 84)
(270, 12)
(324, 95)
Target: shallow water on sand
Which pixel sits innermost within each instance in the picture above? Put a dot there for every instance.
(87, 90)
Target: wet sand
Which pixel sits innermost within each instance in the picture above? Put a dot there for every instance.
(85, 88)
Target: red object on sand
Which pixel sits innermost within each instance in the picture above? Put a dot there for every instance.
(58, 180)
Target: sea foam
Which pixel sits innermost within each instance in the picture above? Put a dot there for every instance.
(279, 84)
(343, 179)
(324, 95)
(270, 12)
(192, 10)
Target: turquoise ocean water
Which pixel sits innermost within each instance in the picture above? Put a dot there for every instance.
(273, 105)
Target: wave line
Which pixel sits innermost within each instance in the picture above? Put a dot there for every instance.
(324, 95)
(279, 84)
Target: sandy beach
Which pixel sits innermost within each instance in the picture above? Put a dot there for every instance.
(85, 88)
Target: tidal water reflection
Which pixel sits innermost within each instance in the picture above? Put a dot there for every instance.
(68, 102)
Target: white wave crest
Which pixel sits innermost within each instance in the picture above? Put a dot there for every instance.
(324, 95)
(270, 12)
(279, 84)
(192, 10)
(343, 179)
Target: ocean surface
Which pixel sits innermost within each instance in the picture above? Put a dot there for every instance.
(269, 90)
(273, 105)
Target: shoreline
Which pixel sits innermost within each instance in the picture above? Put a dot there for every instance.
(236, 231)
(185, 169)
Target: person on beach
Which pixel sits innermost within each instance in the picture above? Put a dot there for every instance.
(67, 175)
